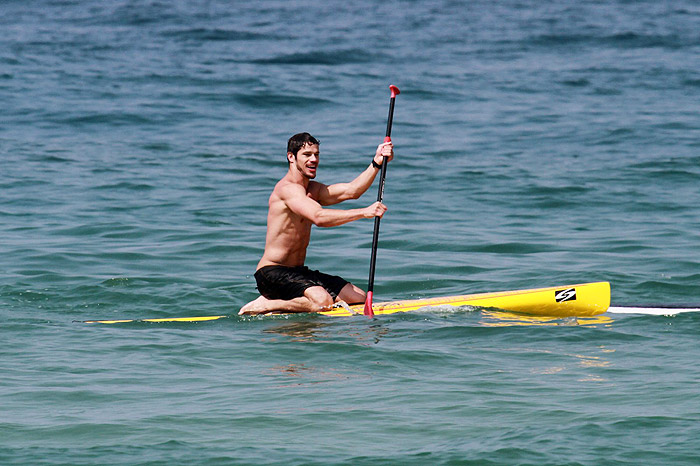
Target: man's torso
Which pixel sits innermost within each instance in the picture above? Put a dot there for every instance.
(288, 233)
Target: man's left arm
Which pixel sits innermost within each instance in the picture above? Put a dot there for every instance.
(339, 192)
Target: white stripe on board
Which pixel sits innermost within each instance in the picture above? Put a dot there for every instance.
(653, 311)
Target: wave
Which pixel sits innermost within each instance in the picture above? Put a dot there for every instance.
(333, 57)
(270, 100)
(112, 118)
(216, 34)
(620, 40)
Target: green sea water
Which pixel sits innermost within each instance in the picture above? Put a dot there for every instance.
(536, 145)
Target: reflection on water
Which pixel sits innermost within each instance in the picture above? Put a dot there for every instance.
(495, 318)
(319, 331)
(308, 377)
(593, 364)
(307, 330)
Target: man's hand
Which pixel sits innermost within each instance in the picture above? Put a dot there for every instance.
(375, 210)
(385, 149)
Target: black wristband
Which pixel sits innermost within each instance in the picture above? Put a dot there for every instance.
(376, 165)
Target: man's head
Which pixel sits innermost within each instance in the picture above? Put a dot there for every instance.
(298, 141)
(302, 151)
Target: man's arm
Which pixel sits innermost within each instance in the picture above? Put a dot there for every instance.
(335, 193)
(298, 202)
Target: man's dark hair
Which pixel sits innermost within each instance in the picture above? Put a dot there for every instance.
(298, 141)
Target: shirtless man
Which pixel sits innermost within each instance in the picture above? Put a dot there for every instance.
(296, 204)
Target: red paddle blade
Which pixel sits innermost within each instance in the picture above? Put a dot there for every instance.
(369, 312)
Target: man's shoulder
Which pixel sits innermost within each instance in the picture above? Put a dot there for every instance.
(286, 188)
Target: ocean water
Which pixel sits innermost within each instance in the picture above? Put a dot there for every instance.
(537, 144)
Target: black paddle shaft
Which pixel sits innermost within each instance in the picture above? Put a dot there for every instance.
(380, 197)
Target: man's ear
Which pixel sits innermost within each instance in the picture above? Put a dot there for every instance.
(290, 157)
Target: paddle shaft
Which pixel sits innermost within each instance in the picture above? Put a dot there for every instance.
(380, 196)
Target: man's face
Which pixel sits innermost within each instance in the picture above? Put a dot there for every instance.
(306, 160)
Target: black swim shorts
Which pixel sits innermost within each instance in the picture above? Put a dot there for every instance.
(280, 282)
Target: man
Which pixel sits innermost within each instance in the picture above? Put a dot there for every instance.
(297, 203)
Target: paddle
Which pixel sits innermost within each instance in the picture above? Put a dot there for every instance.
(369, 312)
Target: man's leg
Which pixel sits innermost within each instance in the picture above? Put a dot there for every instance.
(352, 294)
(315, 299)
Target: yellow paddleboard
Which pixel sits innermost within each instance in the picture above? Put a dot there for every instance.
(583, 300)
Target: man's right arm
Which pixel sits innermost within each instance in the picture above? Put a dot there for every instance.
(295, 198)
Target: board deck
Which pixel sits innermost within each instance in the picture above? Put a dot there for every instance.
(582, 300)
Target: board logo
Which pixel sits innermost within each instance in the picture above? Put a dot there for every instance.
(568, 294)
